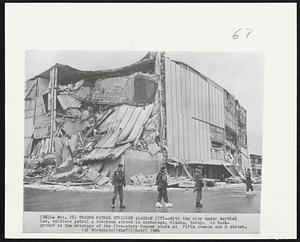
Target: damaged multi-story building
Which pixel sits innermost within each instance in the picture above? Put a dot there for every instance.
(153, 111)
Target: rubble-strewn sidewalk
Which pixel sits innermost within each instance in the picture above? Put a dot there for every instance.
(109, 188)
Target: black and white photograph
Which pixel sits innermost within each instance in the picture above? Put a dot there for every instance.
(155, 135)
(161, 121)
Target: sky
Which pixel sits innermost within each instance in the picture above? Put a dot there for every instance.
(240, 73)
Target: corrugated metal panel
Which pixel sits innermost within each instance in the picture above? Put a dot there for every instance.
(192, 103)
(143, 116)
(124, 129)
(198, 106)
(110, 153)
(169, 106)
(216, 106)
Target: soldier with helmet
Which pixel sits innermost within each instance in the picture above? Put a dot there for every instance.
(118, 181)
(198, 186)
(162, 184)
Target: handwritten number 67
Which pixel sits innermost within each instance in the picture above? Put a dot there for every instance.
(242, 32)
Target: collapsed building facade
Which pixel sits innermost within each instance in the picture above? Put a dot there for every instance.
(154, 111)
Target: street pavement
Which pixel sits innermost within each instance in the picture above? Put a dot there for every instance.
(215, 200)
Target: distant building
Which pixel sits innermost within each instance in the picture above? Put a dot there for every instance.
(256, 161)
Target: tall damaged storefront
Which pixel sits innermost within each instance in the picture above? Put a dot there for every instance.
(153, 111)
(204, 124)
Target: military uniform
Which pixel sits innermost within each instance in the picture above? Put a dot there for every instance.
(162, 184)
(198, 187)
(118, 181)
(162, 187)
(248, 181)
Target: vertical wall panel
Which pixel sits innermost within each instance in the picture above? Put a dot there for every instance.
(207, 102)
(183, 91)
(222, 110)
(179, 111)
(188, 92)
(169, 107)
(183, 113)
(215, 106)
(189, 96)
(204, 105)
(193, 151)
(198, 96)
(198, 145)
(188, 108)
(192, 95)
(210, 103)
(175, 109)
(200, 99)
(202, 141)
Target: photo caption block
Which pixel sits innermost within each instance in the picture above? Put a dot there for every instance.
(74, 222)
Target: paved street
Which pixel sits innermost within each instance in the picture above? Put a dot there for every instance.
(215, 200)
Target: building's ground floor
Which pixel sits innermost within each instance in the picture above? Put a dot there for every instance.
(218, 172)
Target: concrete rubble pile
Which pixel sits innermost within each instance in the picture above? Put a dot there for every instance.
(95, 120)
(150, 180)
(141, 179)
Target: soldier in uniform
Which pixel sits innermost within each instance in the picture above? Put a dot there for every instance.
(249, 181)
(198, 186)
(161, 182)
(118, 181)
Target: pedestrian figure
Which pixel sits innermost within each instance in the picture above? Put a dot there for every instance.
(162, 183)
(198, 187)
(249, 181)
(118, 181)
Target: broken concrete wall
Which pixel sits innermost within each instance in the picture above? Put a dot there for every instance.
(145, 88)
(114, 90)
(133, 89)
(27, 146)
(88, 120)
(109, 166)
(230, 111)
(137, 162)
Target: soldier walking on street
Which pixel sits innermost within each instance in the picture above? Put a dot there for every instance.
(118, 181)
(198, 187)
(249, 181)
(161, 182)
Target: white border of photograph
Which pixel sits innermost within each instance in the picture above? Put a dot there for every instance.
(166, 27)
